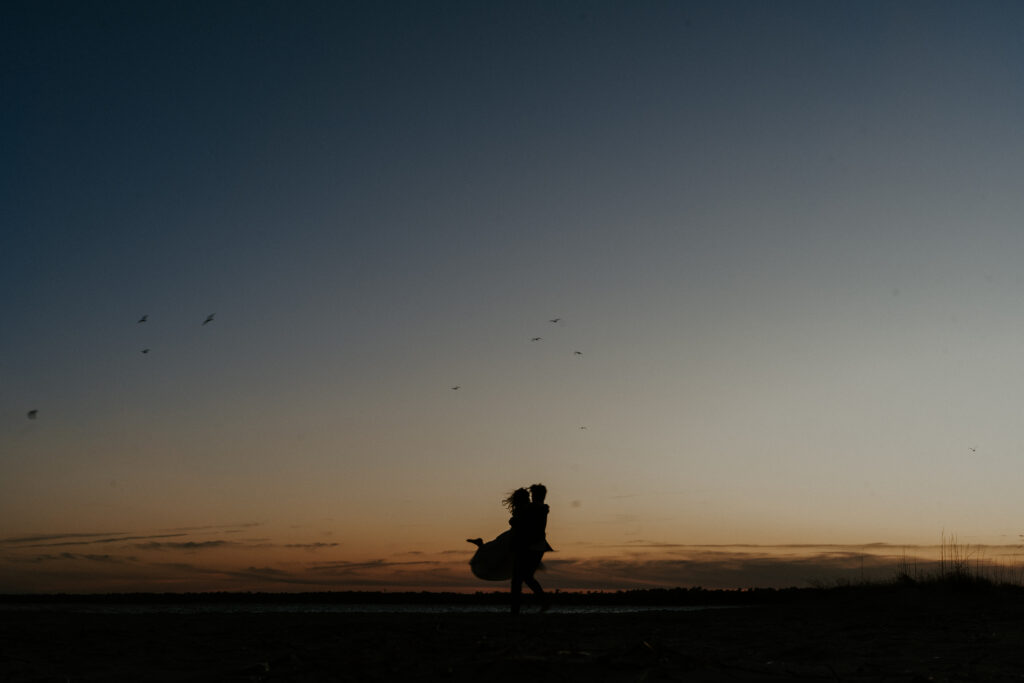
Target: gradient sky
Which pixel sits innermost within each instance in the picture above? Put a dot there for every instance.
(787, 238)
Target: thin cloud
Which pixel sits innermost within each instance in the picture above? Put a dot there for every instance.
(252, 543)
(639, 543)
(271, 574)
(875, 546)
(68, 539)
(266, 571)
(281, 576)
(115, 559)
(75, 557)
(197, 577)
(184, 568)
(326, 576)
(118, 539)
(343, 567)
(719, 570)
(27, 540)
(227, 528)
(184, 545)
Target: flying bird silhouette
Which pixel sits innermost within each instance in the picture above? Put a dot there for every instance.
(32, 414)
(145, 350)
(536, 338)
(143, 318)
(577, 353)
(209, 318)
(972, 450)
(554, 320)
(456, 387)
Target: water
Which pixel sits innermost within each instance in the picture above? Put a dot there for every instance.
(326, 608)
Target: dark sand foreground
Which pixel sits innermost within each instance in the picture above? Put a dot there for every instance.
(906, 637)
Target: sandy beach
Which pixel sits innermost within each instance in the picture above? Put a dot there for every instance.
(910, 637)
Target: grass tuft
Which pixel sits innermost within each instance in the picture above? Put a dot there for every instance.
(960, 568)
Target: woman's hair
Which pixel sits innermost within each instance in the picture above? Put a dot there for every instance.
(517, 500)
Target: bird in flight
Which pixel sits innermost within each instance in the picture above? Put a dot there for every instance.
(456, 387)
(972, 450)
(143, 318)
(209, 318)
(577, 353)
(536, 338)
(145, 350)
(32, 414)
(555, 320)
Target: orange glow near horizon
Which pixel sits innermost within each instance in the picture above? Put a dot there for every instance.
(255, 558)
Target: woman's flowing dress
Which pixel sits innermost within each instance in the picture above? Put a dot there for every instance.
(493, 560)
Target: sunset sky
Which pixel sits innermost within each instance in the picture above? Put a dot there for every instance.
(787, 239)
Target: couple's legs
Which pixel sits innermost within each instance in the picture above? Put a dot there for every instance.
(525, 565)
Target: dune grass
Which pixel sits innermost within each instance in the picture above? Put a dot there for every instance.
(960, 566)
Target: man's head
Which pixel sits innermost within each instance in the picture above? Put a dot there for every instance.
(538, 492)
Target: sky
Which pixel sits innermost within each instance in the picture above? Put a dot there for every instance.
(782, 241)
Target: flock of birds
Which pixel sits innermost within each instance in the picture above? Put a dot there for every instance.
(209, 319)
(34, 413)
(144, 318)
(534, 339)
(554, 321)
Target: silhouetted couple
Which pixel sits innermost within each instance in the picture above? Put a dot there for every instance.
(517, 553)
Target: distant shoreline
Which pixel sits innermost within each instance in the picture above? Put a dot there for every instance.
(672, 596)
(669, 597)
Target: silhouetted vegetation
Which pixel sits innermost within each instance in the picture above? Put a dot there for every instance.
(959, 568)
